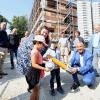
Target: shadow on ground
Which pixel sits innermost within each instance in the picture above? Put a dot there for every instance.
(12, 74)
(24, 96)
(66, 80)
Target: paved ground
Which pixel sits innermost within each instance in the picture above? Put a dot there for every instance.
(14, 87)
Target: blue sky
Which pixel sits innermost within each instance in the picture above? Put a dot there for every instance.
(10, 8)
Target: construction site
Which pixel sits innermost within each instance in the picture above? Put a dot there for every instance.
(71, 17)
(58, 15)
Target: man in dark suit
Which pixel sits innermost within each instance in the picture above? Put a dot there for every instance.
(13, 45)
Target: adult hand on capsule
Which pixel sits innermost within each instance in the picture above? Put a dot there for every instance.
(74, 70)
(46, 69)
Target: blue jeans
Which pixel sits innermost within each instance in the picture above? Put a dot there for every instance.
(96, 58)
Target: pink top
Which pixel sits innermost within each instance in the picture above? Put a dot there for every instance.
(37, 55)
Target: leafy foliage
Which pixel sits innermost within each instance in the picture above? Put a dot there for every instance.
(19, 22)
(3, 19)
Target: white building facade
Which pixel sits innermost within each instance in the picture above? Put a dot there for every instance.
(88, 13)
(96, 11)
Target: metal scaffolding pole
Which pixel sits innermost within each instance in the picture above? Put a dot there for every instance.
(43, 13)
(58, 31)
(92, 16)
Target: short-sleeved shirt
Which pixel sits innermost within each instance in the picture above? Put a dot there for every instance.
(55, 53)
(63, 42)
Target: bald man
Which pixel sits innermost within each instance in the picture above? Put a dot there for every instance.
(4, 44)
(81, 63)
(13, 46)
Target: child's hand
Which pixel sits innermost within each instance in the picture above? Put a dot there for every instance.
(50, 69)
(45, 59)
(48, 56)
(47, 69)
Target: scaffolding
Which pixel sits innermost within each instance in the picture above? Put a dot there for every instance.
(71, 17)
(50, 13)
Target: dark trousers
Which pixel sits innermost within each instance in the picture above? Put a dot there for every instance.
(88, 78)
(12, 52)
(55, 73)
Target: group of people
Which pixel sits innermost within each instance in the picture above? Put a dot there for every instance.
(80, 63)
(33, 58)
(8, 43)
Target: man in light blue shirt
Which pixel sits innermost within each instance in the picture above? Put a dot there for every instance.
(94, 45)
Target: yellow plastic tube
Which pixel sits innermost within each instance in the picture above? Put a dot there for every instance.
(59, 63)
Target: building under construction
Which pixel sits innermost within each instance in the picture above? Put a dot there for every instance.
(71, 17)
(51, 13)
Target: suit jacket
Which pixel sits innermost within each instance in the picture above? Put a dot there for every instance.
(13, 41)
(87, 61)
(4, 42)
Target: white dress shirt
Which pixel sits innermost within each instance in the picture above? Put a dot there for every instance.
(81, 60)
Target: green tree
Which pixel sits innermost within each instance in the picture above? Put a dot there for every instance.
(3, 19)
(19, 22)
